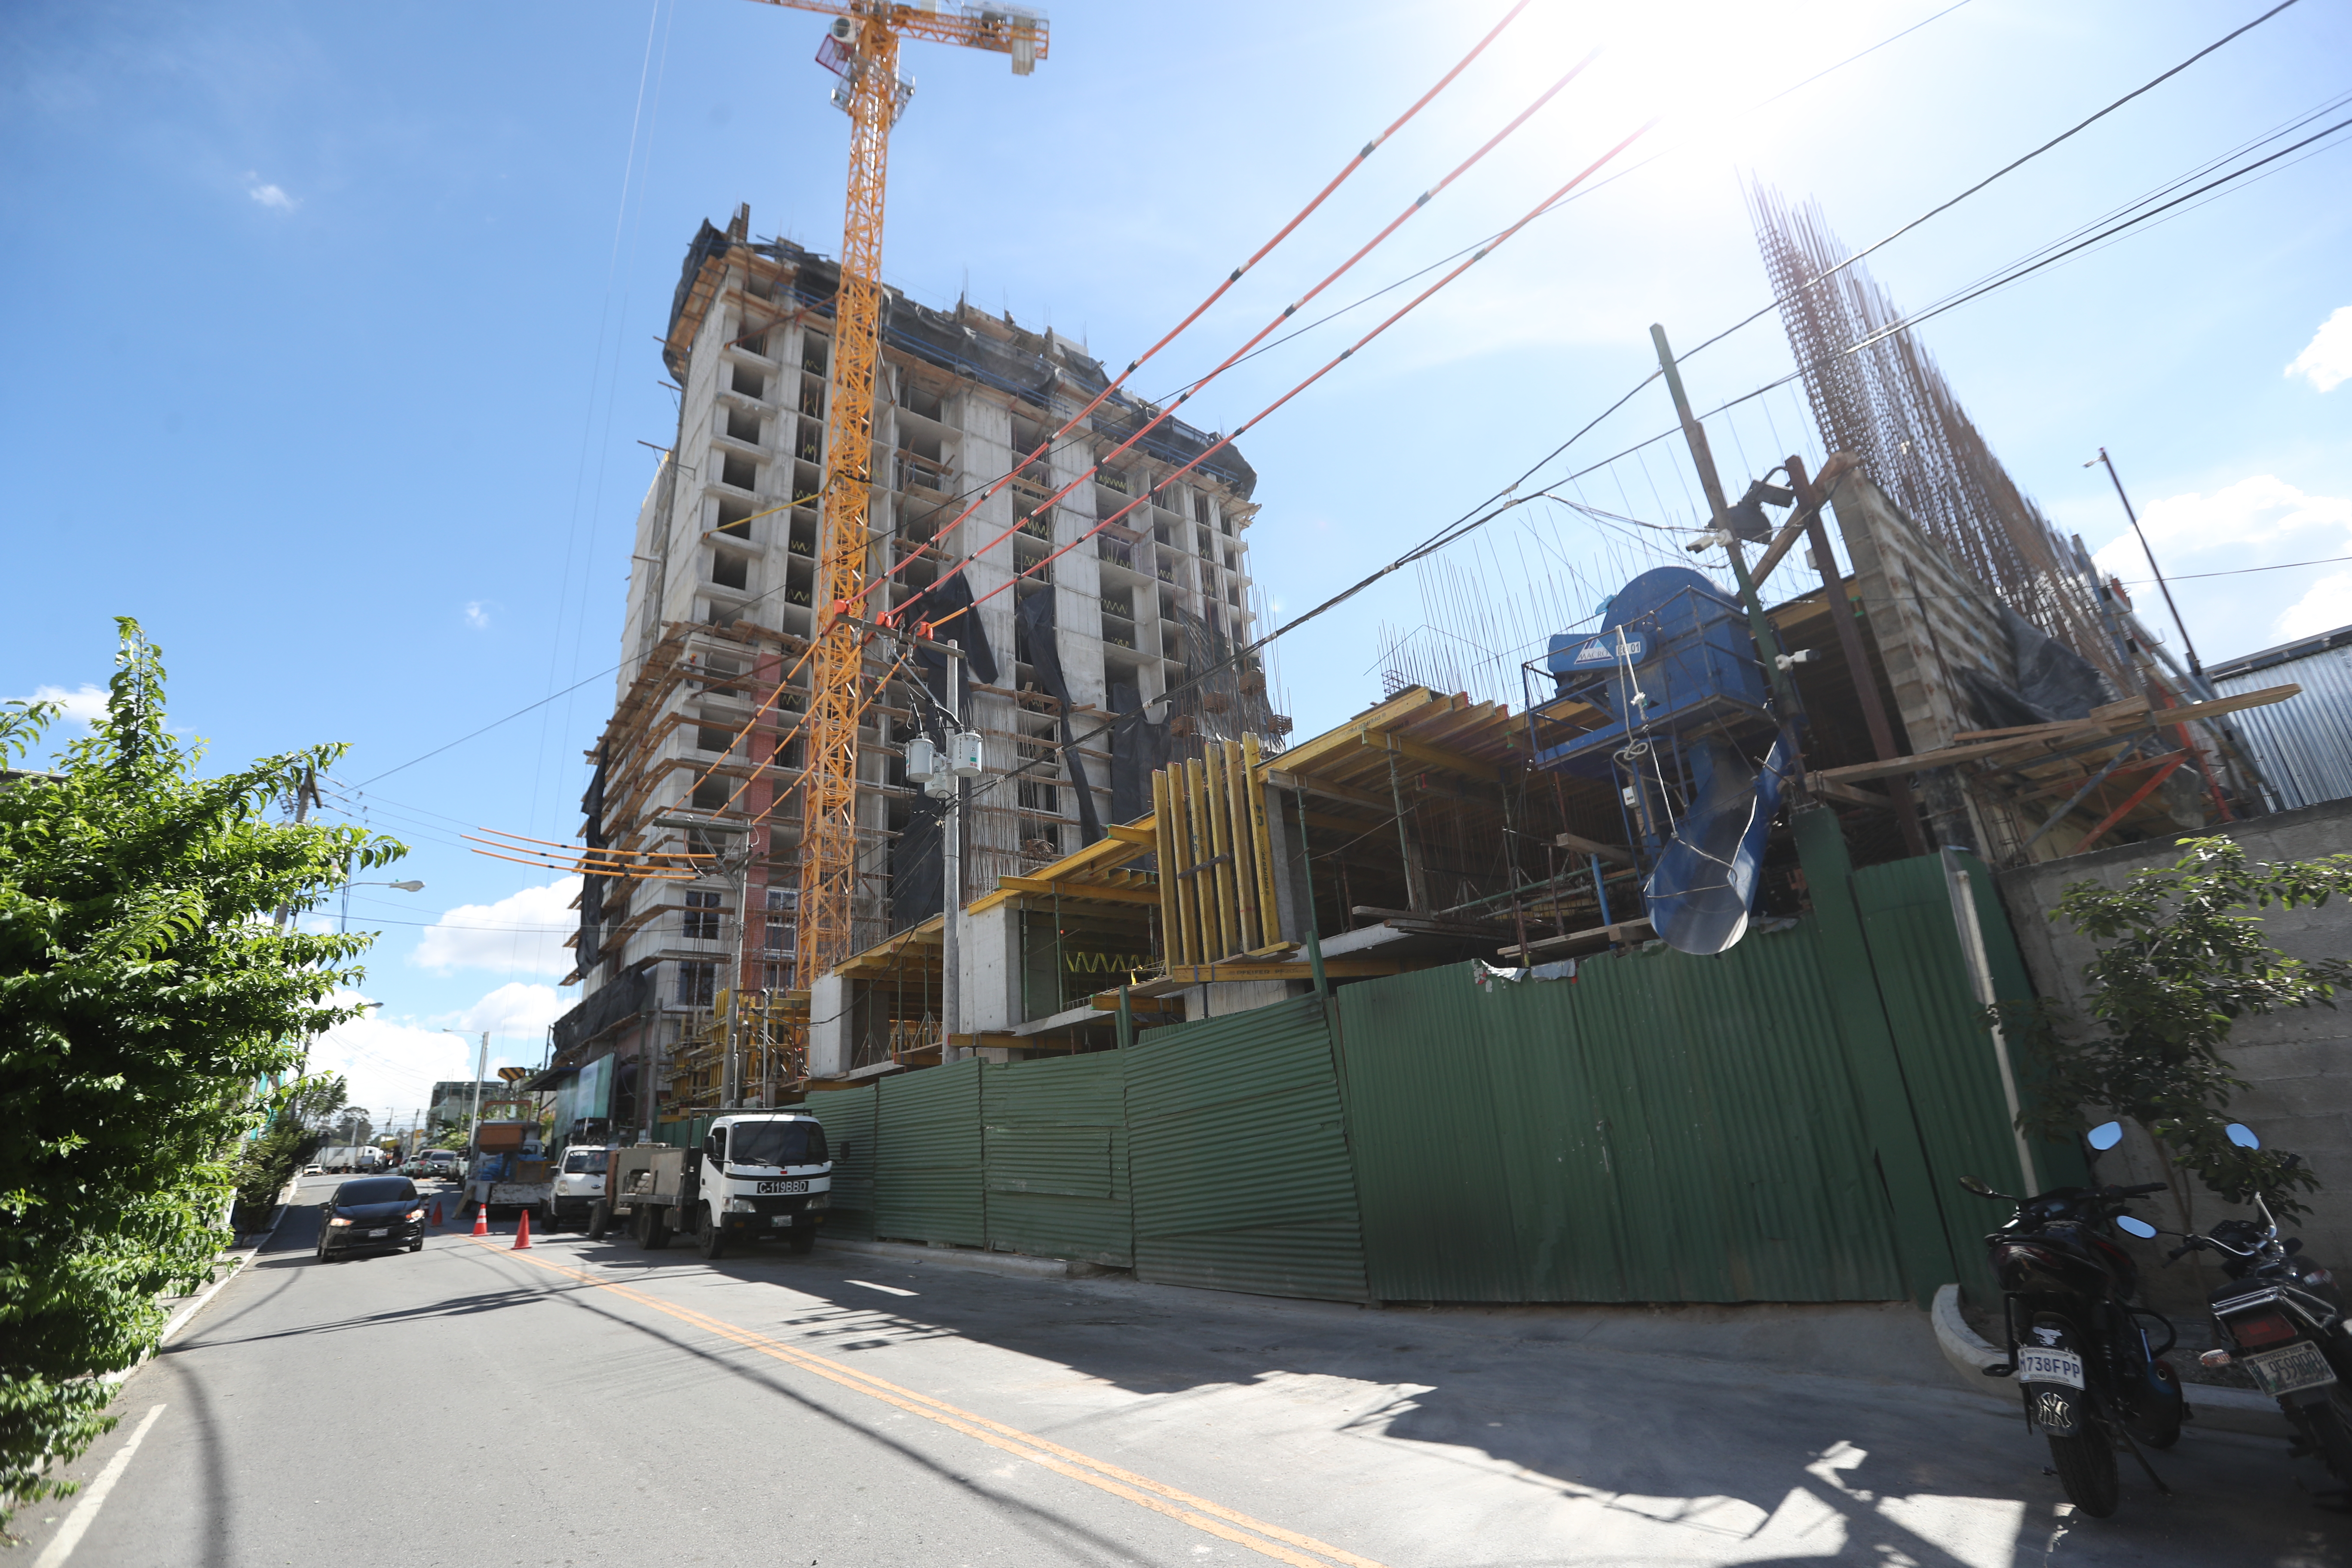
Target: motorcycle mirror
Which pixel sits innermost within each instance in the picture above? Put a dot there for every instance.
(2242, 1135)
(2139, 1227)
(2105, 1135)
(1975, 1185)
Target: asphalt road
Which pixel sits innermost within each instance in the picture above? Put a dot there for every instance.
(588, 1402)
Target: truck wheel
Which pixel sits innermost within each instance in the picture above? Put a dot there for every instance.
(802, 1243)
(600, 1220)
(658, 1231)
(709, 1235)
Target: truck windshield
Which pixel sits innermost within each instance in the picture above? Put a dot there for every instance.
(776, 1143)
(591, 1160)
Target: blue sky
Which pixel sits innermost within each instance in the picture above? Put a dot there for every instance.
(333, 329)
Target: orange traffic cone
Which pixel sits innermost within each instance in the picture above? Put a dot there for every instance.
(437, 1213)
(522, 1231)
(482, 1219)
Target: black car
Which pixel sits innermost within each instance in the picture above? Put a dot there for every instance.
(371, 1214)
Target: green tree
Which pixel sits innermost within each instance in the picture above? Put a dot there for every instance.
(272, 1155)
(2183, 959)
(145, 992)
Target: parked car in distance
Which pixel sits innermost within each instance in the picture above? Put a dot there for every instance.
(440, 1163)
(314, 1169)
(371, 1214)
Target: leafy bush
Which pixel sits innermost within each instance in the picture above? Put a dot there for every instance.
(2183, 959)
(144, 992)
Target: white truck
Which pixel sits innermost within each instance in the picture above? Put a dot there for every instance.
(757, 1174)
(578, 1183)
(506, 1169)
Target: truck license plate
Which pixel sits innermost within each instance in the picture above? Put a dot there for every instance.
(800, 1185)
(2035, 1364)
(2289, 1371)
(781, 1219)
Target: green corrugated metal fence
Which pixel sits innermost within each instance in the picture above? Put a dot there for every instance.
(1946, 1054)
(1660, 1129)
(1054, 1155)
(927, 1157)
(1239, 1156)
(848, 1115)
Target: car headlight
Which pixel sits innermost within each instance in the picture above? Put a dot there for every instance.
(742, 1205)
(820, 1200)
(339, 1219)
(414, 1214)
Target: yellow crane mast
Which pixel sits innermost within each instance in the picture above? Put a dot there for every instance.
(862, 47)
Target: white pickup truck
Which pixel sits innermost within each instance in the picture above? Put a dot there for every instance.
(757, 1174)
(578, 1183)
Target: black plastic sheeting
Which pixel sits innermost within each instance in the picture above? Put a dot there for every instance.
(1036, 615)
(1139, 748)
(2054, 682)
(935, 604)
(589, 947)
(600, 1009)
(918, 864)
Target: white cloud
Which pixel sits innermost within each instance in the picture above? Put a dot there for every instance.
(2326, 606)
(268, 195)
(392, 1064)
(2327, 361)
(85, 704)
(515, 1008)
(2214, 548)
(522, 933)
(477, 615)
(2244, 525)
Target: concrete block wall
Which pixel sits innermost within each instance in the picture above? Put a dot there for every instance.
(2298, 1065)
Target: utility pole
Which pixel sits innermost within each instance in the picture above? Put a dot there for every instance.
(1758, 624)
(951, 874)
(2187, 646)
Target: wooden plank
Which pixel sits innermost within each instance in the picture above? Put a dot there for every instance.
(1344, 738)
(1853, 794)
(1101, 892)
(1424, 753)
(1621, 930)
(1286, 778)
(1144, 835)
(1611, 853)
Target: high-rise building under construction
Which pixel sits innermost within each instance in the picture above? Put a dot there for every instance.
(1091, 658)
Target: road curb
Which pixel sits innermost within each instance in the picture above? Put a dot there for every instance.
(960, 1258)
(2214, 1409)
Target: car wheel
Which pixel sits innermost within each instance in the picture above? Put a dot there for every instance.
(416, 1246)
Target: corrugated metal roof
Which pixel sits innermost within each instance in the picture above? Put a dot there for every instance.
(1239, 1157)
(1055, 1137)
(2303, 746)
(927, 1184)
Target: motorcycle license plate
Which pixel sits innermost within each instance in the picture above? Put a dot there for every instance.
(800, 1185)
(2038, 1365)
(2289, 1371)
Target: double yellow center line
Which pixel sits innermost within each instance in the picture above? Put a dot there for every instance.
(1214, 1518)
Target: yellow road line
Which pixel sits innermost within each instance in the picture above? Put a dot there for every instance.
(1199, 1512)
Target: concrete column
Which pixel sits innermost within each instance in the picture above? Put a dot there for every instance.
(829, 1026)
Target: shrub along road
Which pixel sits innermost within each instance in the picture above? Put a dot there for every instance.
(588, 1402)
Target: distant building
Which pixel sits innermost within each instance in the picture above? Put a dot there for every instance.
(453, 1100)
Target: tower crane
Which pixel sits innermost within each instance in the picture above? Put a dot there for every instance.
(861, 46)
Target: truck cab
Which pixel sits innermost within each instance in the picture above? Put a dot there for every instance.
(761, 1174)
(579, 1183)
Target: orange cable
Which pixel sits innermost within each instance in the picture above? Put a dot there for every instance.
(1218, 293)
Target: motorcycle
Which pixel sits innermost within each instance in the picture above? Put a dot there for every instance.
(2077, 1345)
(2283, 1320)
